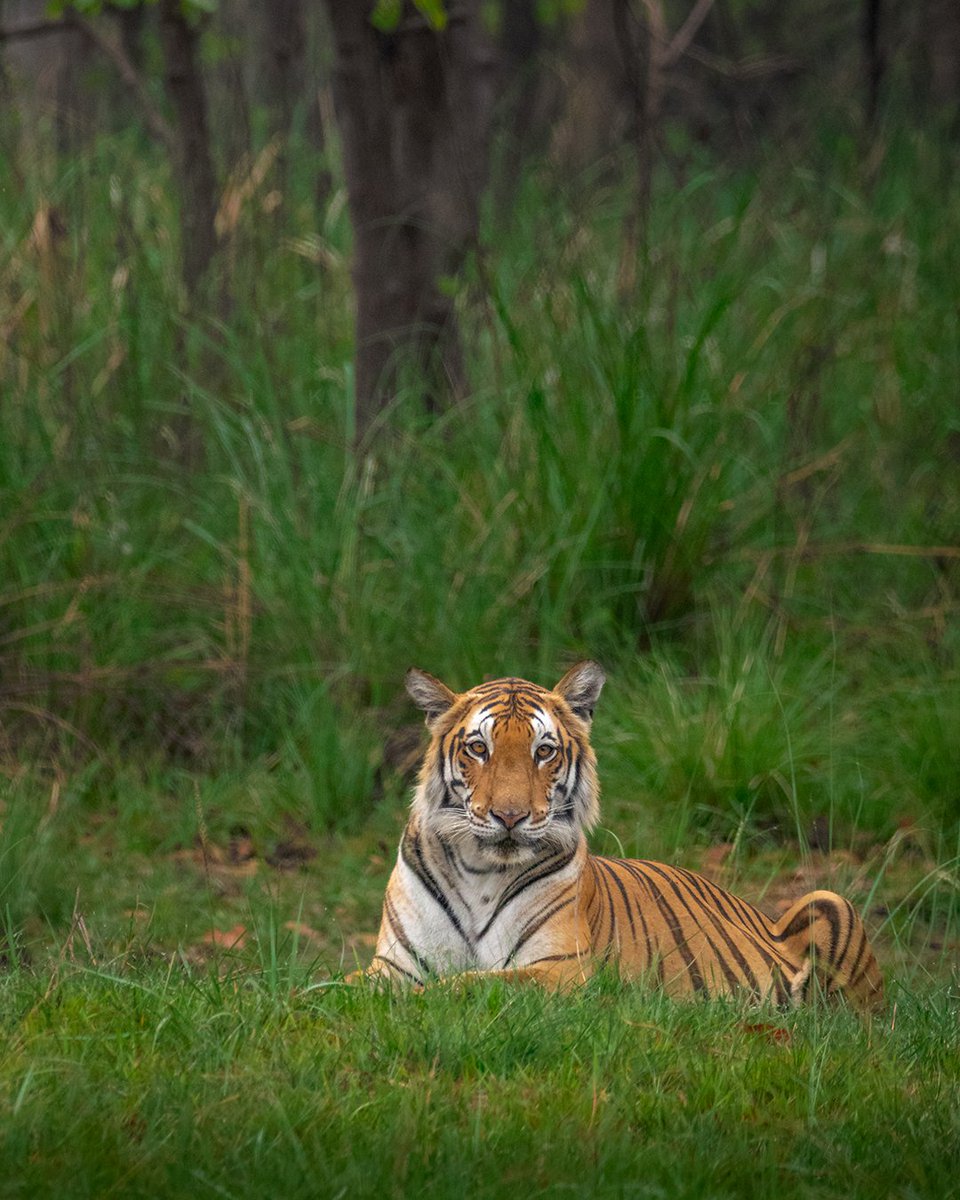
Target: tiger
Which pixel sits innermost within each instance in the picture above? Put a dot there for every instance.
(494, 879)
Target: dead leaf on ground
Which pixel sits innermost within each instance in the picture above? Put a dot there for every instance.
(307, 932)
(241, 849)
(226, 939)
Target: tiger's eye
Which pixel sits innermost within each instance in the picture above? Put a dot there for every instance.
(545, 752)
(477, 748)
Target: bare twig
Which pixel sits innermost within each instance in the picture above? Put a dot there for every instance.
(37, 29)
(663, 51)
(130, 77)
(678, 44)
(754, 66)
(823, 463)
(832, 549)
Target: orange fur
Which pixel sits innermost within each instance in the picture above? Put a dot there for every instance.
(494, 876)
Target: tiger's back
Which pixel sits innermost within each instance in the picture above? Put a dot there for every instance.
(494, 874)
(696, 938)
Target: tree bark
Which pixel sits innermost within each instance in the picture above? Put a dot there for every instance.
(596, 105)
(131, 24)
(520, 52)
(942, 28)
(193, 161)
(413, 107)
(288, 85)
(75, 106)
(663, 52)
(871, 19)
(284, 61)
(228, 84)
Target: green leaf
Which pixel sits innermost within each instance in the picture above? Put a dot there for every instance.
(434, 12)
(386, 15)
(551, 12)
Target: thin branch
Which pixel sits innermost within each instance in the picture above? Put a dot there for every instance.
(754, 66)
(130, 77)
(37, 29)
(829, 549)
(687, 32)
(656, 23)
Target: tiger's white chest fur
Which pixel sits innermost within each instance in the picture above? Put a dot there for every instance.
(459, 909)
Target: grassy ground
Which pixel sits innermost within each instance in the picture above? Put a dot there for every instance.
(213, 872)
(174, 1026)
(178, 1084)
(737, 486)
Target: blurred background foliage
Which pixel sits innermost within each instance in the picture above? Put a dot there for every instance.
(666, 373)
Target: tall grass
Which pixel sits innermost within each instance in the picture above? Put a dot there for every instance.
(34, 892)
(710, 485)
(737, 487)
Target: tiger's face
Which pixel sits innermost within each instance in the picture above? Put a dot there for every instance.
(510, 767)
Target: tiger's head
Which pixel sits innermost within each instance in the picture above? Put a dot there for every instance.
(510, 766)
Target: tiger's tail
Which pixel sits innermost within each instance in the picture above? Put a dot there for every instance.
(824, 933)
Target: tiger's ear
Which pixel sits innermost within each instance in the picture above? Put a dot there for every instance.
(428, 694)
(581, 688)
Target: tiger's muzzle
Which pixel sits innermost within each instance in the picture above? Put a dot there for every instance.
(509, 817)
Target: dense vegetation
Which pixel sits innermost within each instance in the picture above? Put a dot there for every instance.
(738, 488)
(732, 478)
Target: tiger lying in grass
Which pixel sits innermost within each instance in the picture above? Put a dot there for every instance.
(494, 876)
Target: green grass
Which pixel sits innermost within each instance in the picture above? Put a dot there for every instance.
(706, 485)
(176, 1083)
(153, 869)
(141, 1059)
(736, 487)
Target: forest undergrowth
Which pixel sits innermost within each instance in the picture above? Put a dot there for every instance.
(735, 484)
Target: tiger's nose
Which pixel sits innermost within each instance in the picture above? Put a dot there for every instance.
(508, 816)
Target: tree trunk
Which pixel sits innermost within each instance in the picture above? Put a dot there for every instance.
(521, 43)
(75, 104)
(284, 61)
(872, 57)
(193, 166)
(663, 52)
(131, 24)
(597, 105)
(129, 30)
(288, 84)
(228, 85)
(942, 27)
(413, 107)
